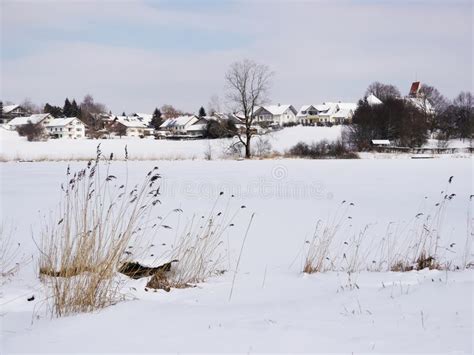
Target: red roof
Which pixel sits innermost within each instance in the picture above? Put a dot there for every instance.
(415, 87)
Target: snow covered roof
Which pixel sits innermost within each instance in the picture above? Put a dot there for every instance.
(343, 113)
(36, 118)
(9, 108)
(144, 117)
(178, 121)
(131, 122)
(347, 106)
(380, 142)
(305, 109)
(279, 109)
(327, 108)
(61, 122)
(373, 100)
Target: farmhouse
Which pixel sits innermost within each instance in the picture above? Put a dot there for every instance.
(131, 126)
(40, 118)
(327, 113)
(11, 111)
(178, 125)
(279, 114)
(69, 127)
(306, 114)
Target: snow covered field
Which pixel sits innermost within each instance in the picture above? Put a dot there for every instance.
(13, 147)
(274, 307)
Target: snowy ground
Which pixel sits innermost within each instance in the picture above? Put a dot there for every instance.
(13, 147)
(274, 307)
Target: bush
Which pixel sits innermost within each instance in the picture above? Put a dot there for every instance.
(322, 150)
(218, 129)
(82, 250)
(290, 124)
(32, 132)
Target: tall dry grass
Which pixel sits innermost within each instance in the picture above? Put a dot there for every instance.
(11, 257)
(414, 245)
(200, 248)
(81, 250)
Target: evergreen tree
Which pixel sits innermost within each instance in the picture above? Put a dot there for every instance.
(75, 109)
(1, 112)
(123, 113)
(156, 120)
(67, 109)
(202, 112)
(53, 110)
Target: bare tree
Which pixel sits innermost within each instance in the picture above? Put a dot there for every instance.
(383, 91)
(435, 98)
(247, 85)
(214, 105)
(29, 106)
(433, 104)
(168, 111)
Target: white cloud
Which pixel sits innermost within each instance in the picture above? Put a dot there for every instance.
(319, 51)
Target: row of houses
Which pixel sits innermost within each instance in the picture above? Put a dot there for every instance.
(192, 126)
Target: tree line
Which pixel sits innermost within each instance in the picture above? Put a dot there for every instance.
(409, 123)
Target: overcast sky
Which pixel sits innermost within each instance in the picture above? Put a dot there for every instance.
(136, 55)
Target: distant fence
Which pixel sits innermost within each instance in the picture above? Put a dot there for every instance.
(391, 149)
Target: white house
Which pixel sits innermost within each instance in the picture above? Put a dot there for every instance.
(306, 114)
(133, 126)
(144, 117)
(279, 114)
(198, 128)
(178, 125)
(40, 118)
(9, 112)
(326, 111)
(69, 127)
(344, 112)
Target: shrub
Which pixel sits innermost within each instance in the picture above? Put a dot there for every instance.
(82, 250)
(32, 132)
(220, 129)
(321, 150)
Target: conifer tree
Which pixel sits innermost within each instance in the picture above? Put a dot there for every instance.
(156, 120)
(67, 108)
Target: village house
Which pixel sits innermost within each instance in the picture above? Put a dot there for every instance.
(11, 111)
(306, 114)
(39, 118)
(178, 125)
(327, 113)
(198, 128)
(131, 126)
(277, 114)
(69, 128)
